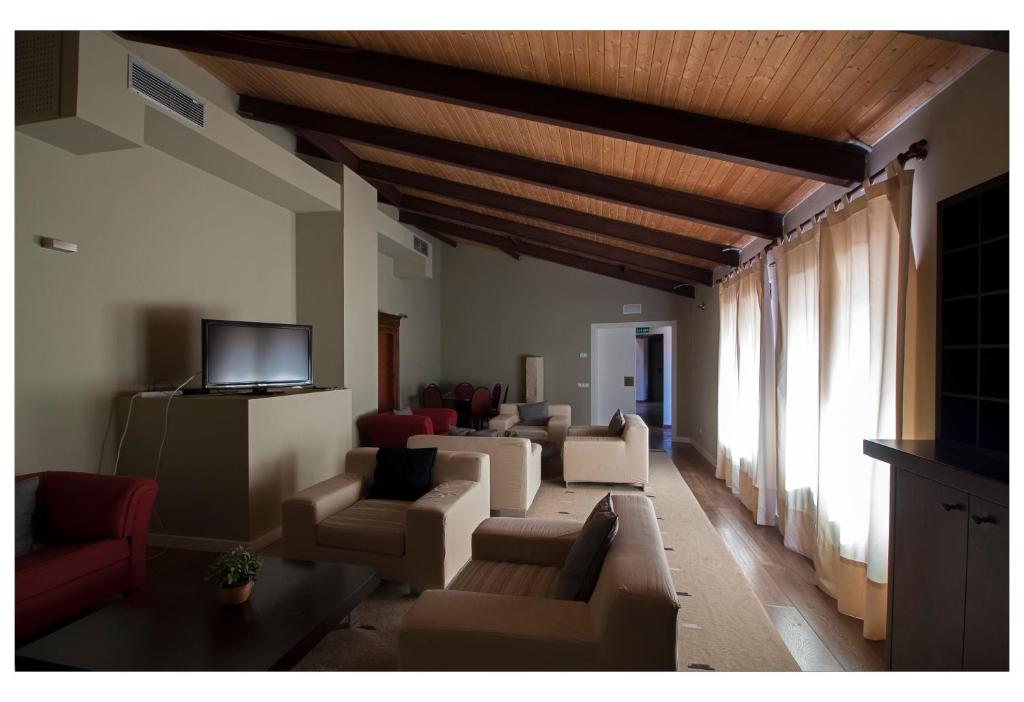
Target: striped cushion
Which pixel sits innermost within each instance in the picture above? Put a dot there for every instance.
(501, 578)
(377, 526)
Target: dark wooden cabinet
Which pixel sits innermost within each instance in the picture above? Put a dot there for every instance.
(948, 556)
(929, 560)
(986, 635)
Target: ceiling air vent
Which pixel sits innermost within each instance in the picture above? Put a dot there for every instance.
(421, 245)
(148, 83)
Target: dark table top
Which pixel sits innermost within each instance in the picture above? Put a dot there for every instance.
(176, 621)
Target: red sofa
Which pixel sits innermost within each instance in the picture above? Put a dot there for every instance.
(388, 430)
(93, 528)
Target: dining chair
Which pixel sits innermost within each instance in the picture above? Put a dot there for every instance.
(431, 396)
(463, 391)
(479, 406)
(504, 400)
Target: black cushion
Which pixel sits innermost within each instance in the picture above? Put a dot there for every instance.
(402, 473)
(534, 414)
(578, 577)
(24, 514)
(618, 424)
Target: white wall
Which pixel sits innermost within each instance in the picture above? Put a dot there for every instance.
(419, 335)
(359, 200)
(320, 291)
(161, 245)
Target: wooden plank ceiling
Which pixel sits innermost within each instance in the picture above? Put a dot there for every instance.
(832, 85)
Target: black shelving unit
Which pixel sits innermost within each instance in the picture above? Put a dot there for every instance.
(973, 365)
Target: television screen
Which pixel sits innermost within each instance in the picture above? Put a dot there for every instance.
(252, 354)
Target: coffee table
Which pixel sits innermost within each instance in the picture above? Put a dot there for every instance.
(176, 621)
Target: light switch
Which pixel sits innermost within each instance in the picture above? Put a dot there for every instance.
(583, 385)
(583, 354)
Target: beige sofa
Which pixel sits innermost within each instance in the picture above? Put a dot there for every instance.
(498, 613)
(561, 418)
(423, 543)
(515, 467)
(589, 455)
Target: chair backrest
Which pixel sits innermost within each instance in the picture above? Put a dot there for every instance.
(505, 398)
(634, 605)
(431, 396)
(463, 391)
(495, 396)
(480, 402)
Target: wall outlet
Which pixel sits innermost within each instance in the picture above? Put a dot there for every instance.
(700, 430)
(583, 385)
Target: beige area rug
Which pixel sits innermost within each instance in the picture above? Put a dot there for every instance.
(722, 625)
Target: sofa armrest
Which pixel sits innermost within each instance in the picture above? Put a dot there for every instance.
(301, 512)
(558, 427)
(539, 541)
(503, 422)
(74, 506)
(439, 530)
(453, 630)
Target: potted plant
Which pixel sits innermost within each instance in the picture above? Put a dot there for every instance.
(235, 572)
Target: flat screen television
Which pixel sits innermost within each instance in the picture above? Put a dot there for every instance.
(256, 355)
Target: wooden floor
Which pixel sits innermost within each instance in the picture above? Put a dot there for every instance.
(818, 636)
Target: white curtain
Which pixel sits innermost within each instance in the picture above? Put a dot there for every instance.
(840, 290)
(740, 439)
(834, 341)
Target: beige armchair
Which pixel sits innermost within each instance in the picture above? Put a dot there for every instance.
(423, 543)
(515, 467)
(558, 425)
(589, 455)
(499, 614)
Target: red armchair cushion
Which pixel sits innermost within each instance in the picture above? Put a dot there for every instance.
(51, 566)
(440, 417)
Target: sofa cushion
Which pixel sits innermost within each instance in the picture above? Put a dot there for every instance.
(583, 563)
(53, 566)
(402, 474)
(503, 578)
(403, 412)
(374, 526)
(24, 514)
(534, 414)
(617, 425)
(531, 433)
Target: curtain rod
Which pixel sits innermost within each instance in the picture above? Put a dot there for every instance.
(919, 149)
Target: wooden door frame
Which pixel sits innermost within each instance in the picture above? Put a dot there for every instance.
(391, 323)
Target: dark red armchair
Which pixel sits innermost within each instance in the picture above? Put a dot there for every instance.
(93, 529)
(387, 430)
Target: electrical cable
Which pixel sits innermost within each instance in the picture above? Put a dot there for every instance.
(124, 432)
(159, 459)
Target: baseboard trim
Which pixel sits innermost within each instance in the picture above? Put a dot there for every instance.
(198, 543)
(700, 449)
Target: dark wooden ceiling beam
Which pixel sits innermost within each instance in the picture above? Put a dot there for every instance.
(749, 220)
(634, 233)
(611, 270)
(738, 142)
(425, 213)
(995, 40)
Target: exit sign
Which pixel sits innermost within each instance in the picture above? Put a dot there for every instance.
(643, 330)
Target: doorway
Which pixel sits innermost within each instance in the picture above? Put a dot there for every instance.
(631, 368)
(387, 361)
